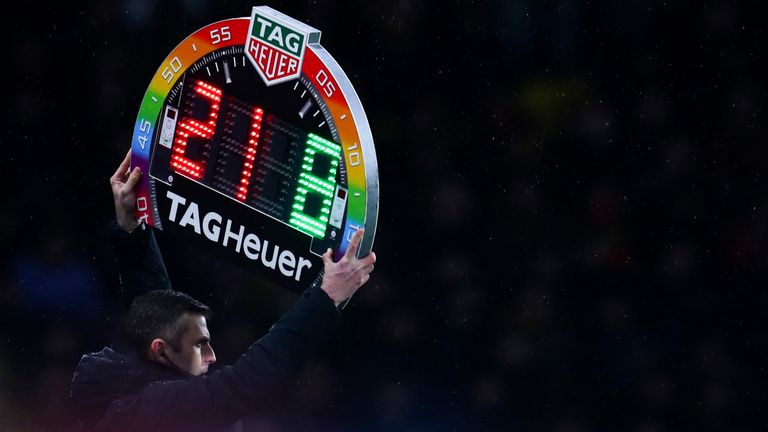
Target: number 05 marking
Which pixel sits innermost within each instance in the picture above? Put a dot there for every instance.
(322, 79)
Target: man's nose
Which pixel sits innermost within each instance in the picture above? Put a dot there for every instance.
(211, 357)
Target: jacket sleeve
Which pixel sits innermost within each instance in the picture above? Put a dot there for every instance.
(139, 261)
(224, 397)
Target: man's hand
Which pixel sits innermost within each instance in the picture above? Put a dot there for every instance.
(343, 278)
(122, 183)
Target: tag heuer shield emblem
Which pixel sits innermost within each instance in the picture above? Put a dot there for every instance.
(275, 44)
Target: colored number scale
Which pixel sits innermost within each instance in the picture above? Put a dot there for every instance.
(255, 145)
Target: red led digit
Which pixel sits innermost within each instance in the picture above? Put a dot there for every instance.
(250, 152)
(189, 126)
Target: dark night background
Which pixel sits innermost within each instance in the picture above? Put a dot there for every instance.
(573, 211)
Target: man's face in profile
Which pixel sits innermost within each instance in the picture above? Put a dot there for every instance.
(196, 353)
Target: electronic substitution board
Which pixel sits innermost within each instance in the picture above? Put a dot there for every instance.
(253, 141)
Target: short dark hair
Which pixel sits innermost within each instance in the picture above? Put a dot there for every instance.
(156, 314)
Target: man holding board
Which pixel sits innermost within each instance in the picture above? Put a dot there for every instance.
(154, 375)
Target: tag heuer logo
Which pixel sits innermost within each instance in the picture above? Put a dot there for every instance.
(275, 45)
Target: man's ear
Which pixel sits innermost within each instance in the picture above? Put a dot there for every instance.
(157, 350)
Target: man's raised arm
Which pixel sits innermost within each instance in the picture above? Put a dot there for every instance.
(138, 256)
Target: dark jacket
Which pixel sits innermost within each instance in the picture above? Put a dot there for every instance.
(115, 389)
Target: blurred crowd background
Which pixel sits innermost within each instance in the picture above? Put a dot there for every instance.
(572, 221)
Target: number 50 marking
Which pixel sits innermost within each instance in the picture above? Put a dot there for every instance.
(170, 70)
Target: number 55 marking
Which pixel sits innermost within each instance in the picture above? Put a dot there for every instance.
(220, 34)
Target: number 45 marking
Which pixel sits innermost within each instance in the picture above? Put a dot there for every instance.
(144, 127)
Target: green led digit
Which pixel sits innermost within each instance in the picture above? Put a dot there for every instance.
(315, 185)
